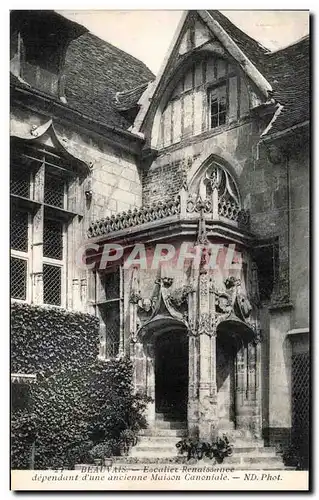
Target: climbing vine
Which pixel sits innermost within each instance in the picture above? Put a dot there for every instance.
(77, 401)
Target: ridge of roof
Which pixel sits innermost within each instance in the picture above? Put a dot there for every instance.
(288, 76)
(300, 41)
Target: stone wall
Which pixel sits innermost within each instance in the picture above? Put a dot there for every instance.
(285, 194)
(235, 146)
(299, 236)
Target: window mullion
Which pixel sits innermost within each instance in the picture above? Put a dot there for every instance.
(37, 237)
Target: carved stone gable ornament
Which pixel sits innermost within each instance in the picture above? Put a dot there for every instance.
(218, 178)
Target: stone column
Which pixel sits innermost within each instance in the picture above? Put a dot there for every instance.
(193, 358)
(251, 371)
(241, 375)
(135, 346)
(150, 382)
(207, 362)
(121, 304)
(257, 424)
(83, 293)
(139, 360)
(76, 302)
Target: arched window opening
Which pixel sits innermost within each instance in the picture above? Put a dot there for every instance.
(218, 178)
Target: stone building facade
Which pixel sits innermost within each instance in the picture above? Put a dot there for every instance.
(211, 154)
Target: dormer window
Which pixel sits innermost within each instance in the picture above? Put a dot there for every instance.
(217, 107)
(39, 40)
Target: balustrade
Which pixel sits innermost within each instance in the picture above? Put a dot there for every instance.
(180, 207)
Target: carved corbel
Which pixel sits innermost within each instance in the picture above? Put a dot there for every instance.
(166, 281)
(133, 337)
(258, 338)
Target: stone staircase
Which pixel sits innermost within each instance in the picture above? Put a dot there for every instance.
(159, 442)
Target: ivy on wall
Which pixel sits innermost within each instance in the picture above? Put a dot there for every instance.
(77, 400)
(45, 341)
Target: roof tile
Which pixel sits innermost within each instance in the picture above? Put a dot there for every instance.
(95, 71)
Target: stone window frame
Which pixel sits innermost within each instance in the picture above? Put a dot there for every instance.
(36, 160)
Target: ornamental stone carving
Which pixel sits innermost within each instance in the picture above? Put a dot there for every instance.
(207, 325)
(192, 330)
(179, 297)
(232, 299)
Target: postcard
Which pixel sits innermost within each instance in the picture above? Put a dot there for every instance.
(159, 185)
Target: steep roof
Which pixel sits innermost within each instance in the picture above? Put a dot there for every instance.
(105, 82)
(287, 70)
(95, 71)
(254, 50)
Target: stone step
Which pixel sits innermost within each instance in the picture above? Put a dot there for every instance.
(251, 460)
(233, 434)
(156, 432)
(247, 443)
(155, 447)
(169, 452)
(138, 463)
(145, 440)
(163, 424)
(254, 451)
(170, 417)
(238, 447)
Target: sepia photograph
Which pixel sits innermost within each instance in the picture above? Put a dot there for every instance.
(159, 250)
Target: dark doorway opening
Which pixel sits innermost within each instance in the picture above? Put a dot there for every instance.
(171, 373)
(226, 380)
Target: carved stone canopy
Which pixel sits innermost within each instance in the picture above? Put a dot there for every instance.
(164, 305)
(157, 326)
(233, 326)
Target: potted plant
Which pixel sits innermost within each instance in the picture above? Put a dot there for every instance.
(197, 448)
(100, 452)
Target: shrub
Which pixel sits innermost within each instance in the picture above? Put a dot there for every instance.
(77, 401)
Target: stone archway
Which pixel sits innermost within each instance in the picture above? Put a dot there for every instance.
(160, 358)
